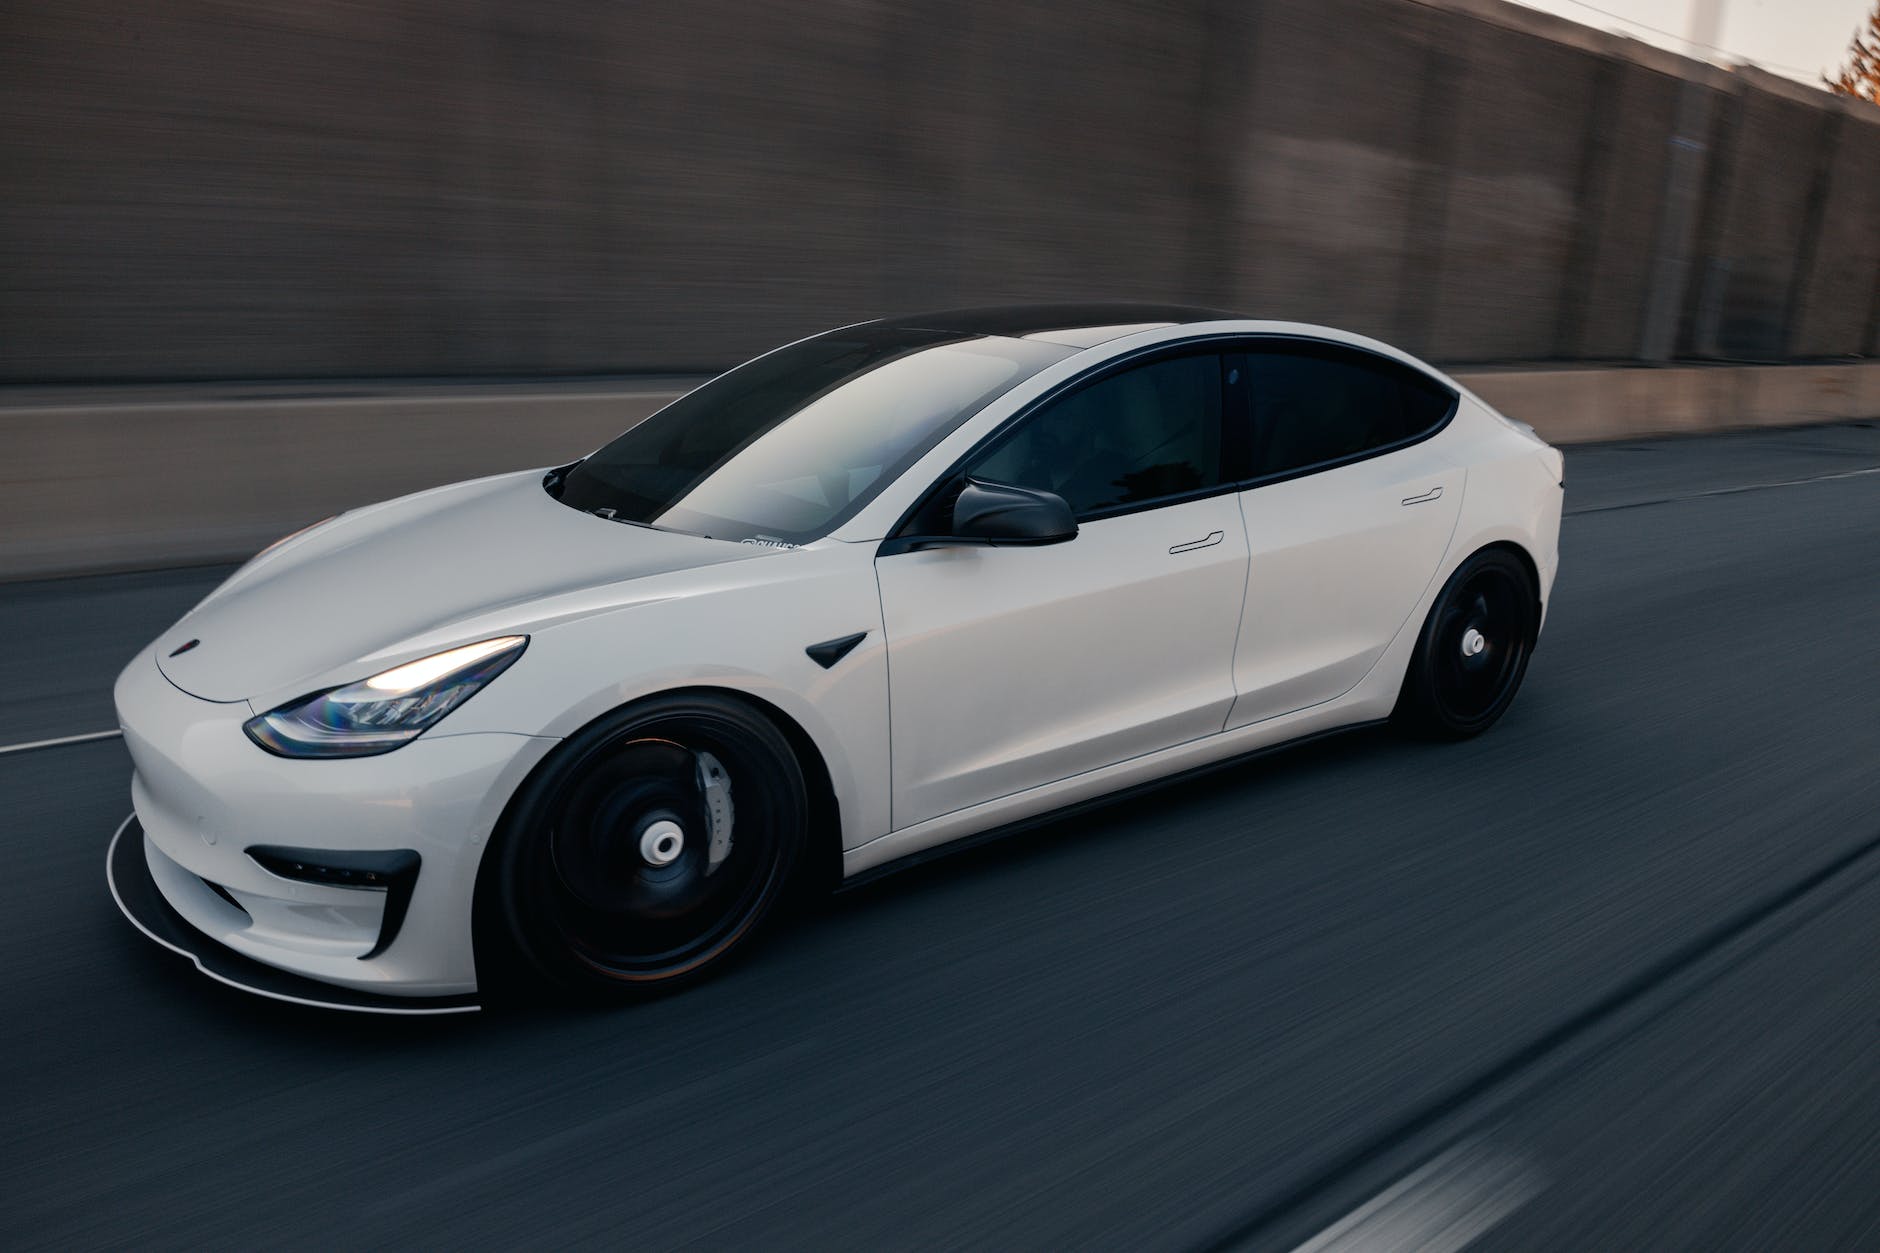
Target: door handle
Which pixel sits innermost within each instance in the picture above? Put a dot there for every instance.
(1207, 541)
(1435, 493)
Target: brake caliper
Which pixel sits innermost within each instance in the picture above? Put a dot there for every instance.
(715, 786)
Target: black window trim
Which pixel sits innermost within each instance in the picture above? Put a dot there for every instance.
(896, 542)
(1223, 344)
(1279, 339)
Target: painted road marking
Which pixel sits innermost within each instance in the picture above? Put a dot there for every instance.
(86, 738)
(1440, 1207)
(1726, 491)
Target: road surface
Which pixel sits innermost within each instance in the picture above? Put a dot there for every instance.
(1606, 977)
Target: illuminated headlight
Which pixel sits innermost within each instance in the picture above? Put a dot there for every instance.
(379, 714)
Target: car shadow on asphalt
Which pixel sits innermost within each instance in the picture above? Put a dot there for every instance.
(1085, 830)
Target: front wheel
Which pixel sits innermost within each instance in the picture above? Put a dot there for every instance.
(644, 853)
(1474, 649)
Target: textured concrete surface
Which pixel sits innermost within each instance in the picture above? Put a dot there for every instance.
(121, 478)
(97, 480)
(204, 189)
(1602, 978)
(1589, 405)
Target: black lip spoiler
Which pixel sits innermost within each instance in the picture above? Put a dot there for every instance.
(135, 892)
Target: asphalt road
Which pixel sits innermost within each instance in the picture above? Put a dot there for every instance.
(1607, 977)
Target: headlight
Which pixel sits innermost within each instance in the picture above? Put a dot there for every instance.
(378, 714)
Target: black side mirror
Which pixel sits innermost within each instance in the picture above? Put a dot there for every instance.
(1002, 514)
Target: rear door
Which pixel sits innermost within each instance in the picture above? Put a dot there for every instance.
(1349, 507)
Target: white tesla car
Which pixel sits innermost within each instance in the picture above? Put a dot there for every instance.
(580, 728)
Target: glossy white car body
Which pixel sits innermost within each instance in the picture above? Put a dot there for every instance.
(993, 683)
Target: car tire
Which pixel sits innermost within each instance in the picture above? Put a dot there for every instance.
(1473, 650)
(642, 855)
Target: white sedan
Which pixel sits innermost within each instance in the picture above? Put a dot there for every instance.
(580, 729)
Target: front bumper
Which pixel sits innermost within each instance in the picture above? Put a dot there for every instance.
(207, 798)
(127, 870)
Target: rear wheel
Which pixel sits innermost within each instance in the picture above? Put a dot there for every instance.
(644, 853)
(1474, 648)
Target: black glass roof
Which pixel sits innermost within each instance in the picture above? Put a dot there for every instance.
(1019, 320)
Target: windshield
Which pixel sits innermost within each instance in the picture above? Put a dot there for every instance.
(785, 448)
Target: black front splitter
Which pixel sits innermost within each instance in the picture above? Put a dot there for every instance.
(136, 894)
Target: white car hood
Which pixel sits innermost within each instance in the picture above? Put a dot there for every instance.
(374, 577)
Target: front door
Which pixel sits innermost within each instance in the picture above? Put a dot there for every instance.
(1014, 667)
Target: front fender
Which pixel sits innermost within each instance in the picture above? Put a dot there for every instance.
(740, 628)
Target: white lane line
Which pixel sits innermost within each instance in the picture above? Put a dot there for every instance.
(1440, 1207)
(1728, 491)
(86, 738)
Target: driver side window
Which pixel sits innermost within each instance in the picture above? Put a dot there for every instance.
(1146, 433)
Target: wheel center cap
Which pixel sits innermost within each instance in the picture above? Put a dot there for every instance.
(662, 842)
(1473, 642)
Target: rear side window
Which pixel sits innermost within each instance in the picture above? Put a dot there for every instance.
(1315, 404)
(1146, 433)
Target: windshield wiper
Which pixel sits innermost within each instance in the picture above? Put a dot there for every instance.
(608, 512)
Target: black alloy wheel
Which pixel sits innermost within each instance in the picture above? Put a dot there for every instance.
(643, 853)
(1474, 648)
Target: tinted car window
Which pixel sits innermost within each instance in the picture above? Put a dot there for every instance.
(1313, 404)
(1140, 435)
(788, 446)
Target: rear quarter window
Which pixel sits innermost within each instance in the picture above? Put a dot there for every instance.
(1319, 404)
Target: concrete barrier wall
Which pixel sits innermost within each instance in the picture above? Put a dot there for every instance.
(254, 189)
(1839, 302)
(97, 479)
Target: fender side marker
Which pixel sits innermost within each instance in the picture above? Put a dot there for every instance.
(829, 652)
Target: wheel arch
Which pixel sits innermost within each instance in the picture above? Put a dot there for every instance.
(1528, 564)
(1412, 704)
(822, 867)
